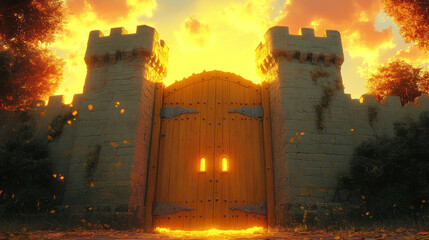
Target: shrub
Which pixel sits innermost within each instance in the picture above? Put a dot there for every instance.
(389, 177)
(27, 182)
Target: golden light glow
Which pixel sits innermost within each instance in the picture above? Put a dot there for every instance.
(203, 165)
(224, 164)
(212, 233)
(204, 34)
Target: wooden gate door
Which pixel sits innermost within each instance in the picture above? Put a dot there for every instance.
(211, 167)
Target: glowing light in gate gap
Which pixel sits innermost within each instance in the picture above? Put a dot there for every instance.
(203, 165)
(212, 233)
(224, 164)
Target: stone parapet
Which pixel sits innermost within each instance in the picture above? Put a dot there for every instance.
(307, 48)
(119, 46)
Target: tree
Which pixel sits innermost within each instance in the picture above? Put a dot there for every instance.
(28, 71)
(398, 78)
(413, 18)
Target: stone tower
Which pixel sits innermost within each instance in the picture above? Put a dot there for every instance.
(315, 126)
(299, 70)
(107, 173)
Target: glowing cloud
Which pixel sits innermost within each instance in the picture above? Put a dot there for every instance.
(194, 34)
(252, 16)
(222, 34)
(413, 55)
(87, 15)
(112, 10)
(355, 19)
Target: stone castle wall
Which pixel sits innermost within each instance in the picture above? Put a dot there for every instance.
(309, 155)
(108, 163)
(103, 152)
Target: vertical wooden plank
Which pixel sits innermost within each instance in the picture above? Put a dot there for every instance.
(260, 193)
(218, 154)
(163, 179)
(184, 161)
(211, 153)
(191, 152)
(249, 146)
(194, 148)
(203, 148)
(205, 180)
(243, 185)
(153, 157)
(235, 155)
(173, 160)
(268, 155)
(225, 180)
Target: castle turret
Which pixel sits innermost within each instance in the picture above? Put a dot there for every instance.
(107, 176)
(315, 126)
(301, 71)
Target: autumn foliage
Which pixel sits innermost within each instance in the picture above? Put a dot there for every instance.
(398, 78)
(413, 18)
(28, 70)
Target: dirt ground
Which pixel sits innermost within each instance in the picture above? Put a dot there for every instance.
(400, 233)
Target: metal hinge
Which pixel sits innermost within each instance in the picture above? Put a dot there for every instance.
(160, 209)
(256, 112)
(260, 208)
(170, 111)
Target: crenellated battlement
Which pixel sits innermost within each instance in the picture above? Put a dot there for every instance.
(56, 102)
(307, 48)
(120, 45)
(394, 103)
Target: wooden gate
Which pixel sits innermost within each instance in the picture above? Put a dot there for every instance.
(211, 168)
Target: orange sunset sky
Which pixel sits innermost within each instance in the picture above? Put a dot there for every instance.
(223, 34)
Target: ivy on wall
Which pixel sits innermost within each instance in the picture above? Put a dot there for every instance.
(57, 125)
(318, 74)
(339, 83)
(372, 115)
(91, 164)
(326, 98)
(323, 105)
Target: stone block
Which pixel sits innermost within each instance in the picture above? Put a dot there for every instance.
(56, 101)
